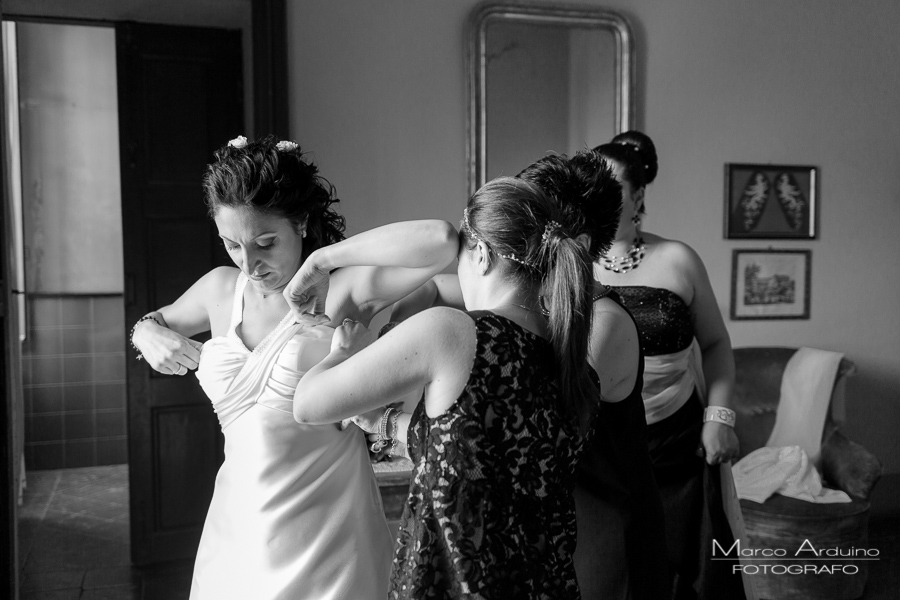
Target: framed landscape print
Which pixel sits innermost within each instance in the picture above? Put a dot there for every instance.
(770, 284)
(770, 201)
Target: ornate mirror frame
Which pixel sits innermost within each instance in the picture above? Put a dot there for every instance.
(586, 17)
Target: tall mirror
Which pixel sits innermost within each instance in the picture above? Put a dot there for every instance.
(544, 78)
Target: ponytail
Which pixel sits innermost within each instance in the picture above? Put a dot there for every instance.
(521, 225)
(567, 285)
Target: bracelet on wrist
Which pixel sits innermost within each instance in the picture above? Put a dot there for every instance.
(382, 429)
(719, 414)
(134, 327)
(392, 447)
(395, 418)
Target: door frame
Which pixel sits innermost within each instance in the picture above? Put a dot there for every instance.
(270, 113)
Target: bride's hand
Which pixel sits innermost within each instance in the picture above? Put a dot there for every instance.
(351, 336)
(306, 292)
(166, 351)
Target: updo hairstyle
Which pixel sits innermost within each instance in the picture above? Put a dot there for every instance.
(529, 237)
(585, 190)
(635, 152)
(272, 177)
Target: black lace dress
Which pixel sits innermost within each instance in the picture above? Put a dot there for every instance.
(490, 512)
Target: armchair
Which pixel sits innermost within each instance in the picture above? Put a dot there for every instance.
(788, 523)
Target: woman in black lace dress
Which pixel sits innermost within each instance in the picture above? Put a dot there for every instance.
(507, 403)
(621, 552)
(665, 286)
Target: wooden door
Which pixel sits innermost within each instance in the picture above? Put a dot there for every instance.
(11, 403)
(180, 98)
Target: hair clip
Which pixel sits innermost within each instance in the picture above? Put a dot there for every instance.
(286, 146)
(550, 228)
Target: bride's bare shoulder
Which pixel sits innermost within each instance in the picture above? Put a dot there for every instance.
(220, 280)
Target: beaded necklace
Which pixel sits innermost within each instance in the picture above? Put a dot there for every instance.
(631, 260)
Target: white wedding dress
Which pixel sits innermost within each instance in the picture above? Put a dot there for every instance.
(296, 511)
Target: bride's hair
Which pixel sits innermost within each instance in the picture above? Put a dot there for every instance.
(273, 177)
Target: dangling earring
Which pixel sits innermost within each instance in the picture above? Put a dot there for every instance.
(636, 219)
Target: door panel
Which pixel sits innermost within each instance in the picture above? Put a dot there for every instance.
(180, 98)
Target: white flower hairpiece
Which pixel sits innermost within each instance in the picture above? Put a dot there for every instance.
(238, 142)
(286, 146)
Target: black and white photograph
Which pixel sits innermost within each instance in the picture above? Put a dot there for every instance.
(405, 299)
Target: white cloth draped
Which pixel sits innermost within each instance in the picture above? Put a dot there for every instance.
(785, 470)
(806, 388)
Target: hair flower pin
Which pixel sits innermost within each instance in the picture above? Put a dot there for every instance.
(286, 146)
(238, 142)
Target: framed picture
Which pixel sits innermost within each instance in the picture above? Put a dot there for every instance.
(770, 284)
(770, 201)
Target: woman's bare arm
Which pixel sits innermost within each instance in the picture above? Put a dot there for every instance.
(719, 440)
(163, 339)
(433, 349)
(374, 269)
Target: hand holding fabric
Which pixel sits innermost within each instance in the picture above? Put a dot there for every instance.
(720, 443)
(307, 290)
(166, 351)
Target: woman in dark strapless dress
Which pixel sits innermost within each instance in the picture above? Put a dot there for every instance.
(621, 551)
(688, 362)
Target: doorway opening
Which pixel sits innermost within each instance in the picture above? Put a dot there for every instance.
(64, 140)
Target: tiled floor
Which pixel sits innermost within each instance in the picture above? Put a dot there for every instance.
(74, 541)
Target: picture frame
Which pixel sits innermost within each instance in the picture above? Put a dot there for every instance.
(770, 201)
(770, 284)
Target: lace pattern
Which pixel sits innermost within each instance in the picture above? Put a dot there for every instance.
(490, 512)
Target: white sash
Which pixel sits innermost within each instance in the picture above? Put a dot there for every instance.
(669, 380)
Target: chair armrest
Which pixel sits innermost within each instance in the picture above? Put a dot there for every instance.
(849, 466)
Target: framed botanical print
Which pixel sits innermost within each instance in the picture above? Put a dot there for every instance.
(770, 201)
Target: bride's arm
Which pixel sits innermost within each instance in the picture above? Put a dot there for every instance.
(434, 348)
(161, 336)
(375, 268)
(441, 290)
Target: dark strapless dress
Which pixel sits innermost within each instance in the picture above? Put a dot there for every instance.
(618, 507)
(690, 491)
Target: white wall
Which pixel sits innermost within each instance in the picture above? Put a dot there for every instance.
(72, 196)
(223, 14)
(377, 92)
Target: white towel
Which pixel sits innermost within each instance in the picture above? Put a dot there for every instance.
(806, 388)
(785, 470)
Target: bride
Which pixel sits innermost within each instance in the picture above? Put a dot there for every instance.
(296, 512)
